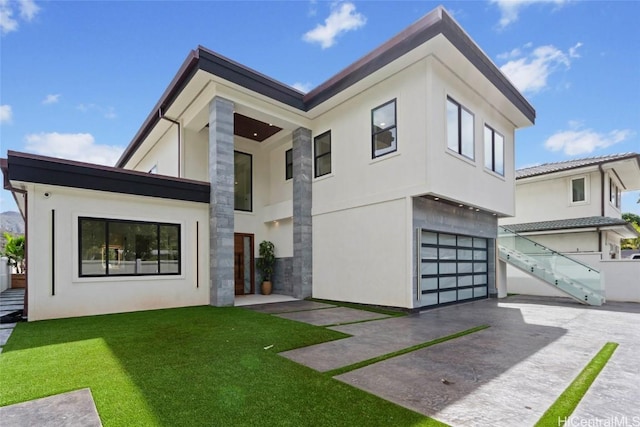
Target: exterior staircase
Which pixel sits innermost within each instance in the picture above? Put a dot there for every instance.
(576, 280)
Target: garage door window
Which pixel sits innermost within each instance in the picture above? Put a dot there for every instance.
(453, 268)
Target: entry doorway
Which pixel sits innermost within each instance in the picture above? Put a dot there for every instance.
(244, 264)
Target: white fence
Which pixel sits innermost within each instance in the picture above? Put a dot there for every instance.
(621, 278)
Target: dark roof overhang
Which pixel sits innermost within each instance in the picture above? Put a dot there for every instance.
(431, 25)
(571, 224)
(23, 167)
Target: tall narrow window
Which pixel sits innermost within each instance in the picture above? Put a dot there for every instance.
(460, 129)
(383, 129)
(243, 182)
(578, 190)
(493, 150)
(288, 164)
(322, 154)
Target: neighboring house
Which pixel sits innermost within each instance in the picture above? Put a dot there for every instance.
(573, 207)
(382, 186)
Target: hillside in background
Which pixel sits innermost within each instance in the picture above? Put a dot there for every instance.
(10, 222)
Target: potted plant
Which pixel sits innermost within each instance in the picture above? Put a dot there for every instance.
(265, 264)
(14, 251)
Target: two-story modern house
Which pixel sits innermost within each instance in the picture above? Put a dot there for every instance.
(382, 186)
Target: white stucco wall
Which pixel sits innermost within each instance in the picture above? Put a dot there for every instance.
(76, 296)
(360, 254)
(452, 175)
(622, 280)
(196, 154)
(163, 154)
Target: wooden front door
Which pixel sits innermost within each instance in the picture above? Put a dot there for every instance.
(243, 261)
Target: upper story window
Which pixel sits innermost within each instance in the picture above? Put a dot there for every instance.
(460, 129)
(109, 247)
(288, 164)
(243, 184)
(493, 150)
(383, 129)
(579, 190)
(615, 194)
(322, 154)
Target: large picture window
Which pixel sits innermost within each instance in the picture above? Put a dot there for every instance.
(383, 129)
(110, 247)
(243, 187)
(493, 150)
(460, 129)
(322, 154)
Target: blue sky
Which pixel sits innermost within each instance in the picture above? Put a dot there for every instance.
(79, 78)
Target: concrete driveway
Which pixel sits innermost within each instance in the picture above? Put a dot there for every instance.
(508, 374)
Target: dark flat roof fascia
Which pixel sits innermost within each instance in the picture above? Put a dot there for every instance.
(65, 173)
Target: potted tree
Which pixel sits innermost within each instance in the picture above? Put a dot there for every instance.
(265, 264)
(14, 251)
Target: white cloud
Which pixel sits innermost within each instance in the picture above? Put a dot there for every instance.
(510, 9)
(529, 71)
(302, 87)
(343, 18)
(107, 112)
(577, 141)
(51, 99)
(73, 146)
(6, 114)
(27, 10)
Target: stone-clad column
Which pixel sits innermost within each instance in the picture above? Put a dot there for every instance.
(221, 203)
(302, 232)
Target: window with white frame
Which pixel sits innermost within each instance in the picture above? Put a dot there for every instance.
(579, 190)
(383, 129)
(493, 150)
(322, 154)
(615, 194)
(460, 125)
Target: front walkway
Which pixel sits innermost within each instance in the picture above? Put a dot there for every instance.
(11, 301)
(508, 374)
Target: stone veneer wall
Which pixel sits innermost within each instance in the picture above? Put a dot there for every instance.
(282, 277)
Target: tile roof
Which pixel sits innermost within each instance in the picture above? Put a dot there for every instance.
(571, 164)
(564, 224)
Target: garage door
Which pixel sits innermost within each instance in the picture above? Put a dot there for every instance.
(453, 268)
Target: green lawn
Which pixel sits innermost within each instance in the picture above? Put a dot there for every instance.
(190, 366)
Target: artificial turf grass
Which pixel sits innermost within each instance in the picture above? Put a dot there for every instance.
(567, 402)
(413, 348)
(190, 366)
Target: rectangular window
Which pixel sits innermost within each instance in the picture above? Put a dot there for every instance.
(615, 195)
(288, 164)
(383, 129)
(493, 150)
(460, 129)
(322, 154)
(243, 185)
(110, 247)
(578, 190)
